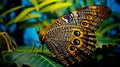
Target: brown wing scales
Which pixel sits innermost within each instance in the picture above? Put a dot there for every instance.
(72, 37)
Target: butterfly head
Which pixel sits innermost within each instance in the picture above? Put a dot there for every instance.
(41, 38)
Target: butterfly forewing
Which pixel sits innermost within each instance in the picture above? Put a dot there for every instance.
(72, 37)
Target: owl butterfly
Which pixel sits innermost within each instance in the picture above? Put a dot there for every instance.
(72, 37)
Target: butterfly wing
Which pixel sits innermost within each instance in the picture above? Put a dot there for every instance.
(88, 17)
(72, 38)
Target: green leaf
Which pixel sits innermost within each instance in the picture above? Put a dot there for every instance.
(29, 16)
(1, 20)
(77, 4)
(83, 3)
(21, 58)
(102, 2)
(30, 59)
(56, 6)
(90, 2)
(46, 2)
(99, 57)
(117, 14)
(20, 16)
(105, 41)
(35, 3)
(60, 12)
(26, 11)
(40, 1)
(30, 49)
(27, 25)
(11, 10)
(105, 29)
(1, 6)
(42, 26)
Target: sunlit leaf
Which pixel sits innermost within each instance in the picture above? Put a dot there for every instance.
(20, 16)
(29, 16)
(39, 1)
(83, 3)
(26, 11)
(60, 12)
(45, 22)
(46, 2)
(56, 6)
(72, 8)
(35, 3)
(10, 10)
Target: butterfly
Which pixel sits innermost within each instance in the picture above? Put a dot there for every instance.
(72, 38)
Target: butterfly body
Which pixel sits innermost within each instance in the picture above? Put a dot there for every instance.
(72, 37)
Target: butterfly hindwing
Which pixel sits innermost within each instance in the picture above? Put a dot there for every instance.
(74, 46)
(72, 37)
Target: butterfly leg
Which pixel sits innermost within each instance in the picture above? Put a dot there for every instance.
(34, 46)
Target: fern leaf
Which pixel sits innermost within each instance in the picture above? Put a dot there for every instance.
(35, 3)
(29, 16)
(46, 2)
(56, 6)
(11, 10)
(20, 16)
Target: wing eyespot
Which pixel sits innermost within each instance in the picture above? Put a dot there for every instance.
(71, 48)
(85, 23)
(89, 17)
(77, 42)
(77, 32)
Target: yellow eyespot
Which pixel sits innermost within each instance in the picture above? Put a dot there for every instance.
(71, 48)
(89, 17)
(85, 23)
(77, 42)
(77, 32)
